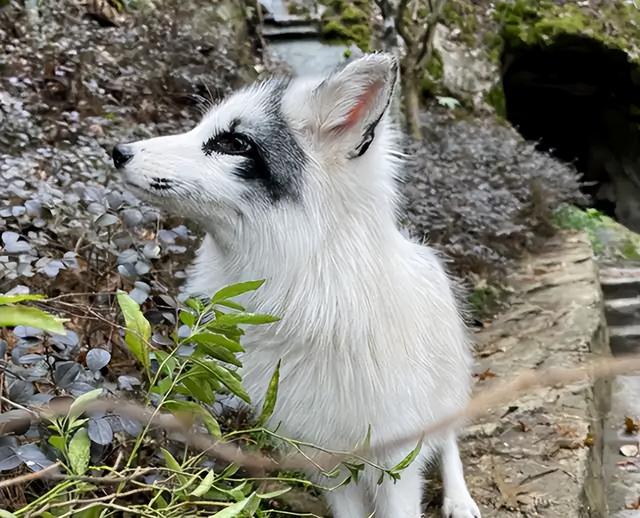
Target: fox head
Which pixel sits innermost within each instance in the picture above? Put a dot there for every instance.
(283, 161)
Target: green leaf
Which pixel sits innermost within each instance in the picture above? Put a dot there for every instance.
(219, 353)
(205, 485)
(168, 362)
(209, 338)
(173, 465)
(407, 460)
(231, 304)
(242, 506)
(11, 316)
(198, 389)
(448, 102)
(79, 452)
(226, 378)
(138, 332)
(189, 406)
(57, 442)
(195, 304)
(354, 470)
(79, 404)
(236, 289)
(232, 332)
(274, 494)
(270, 398)
(163, 386)
(212, 425)
(6, 514)
(246, 318)
(92, 512)
(12, 299)
(187, 318)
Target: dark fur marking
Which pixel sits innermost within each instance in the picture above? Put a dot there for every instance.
(161, 184)
(276, 162)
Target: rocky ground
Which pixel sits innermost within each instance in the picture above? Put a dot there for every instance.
(75, 80)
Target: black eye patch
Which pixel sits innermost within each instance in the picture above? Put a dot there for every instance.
(228, 143)
(238, 144)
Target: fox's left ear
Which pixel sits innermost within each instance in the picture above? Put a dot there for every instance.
(350, 102)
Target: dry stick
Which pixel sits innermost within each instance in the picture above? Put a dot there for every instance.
(479, 405)
(29, 476)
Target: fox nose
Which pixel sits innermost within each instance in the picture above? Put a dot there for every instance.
(121, 155)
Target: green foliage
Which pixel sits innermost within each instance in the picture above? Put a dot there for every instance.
(184, 379)
(485, 300)
(138, 330)
(348, 22)
(608, 238)
(589, 221)
(495, 98)
(431, 82)
(270, 399)
(13, 313)
(462, 15)
(540, 23)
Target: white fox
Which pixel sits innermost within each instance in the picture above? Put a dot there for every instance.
(294, 181)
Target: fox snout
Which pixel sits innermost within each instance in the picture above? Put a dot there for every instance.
(121, 154)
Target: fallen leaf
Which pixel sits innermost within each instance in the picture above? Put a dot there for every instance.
(631, 426)
(633, 505)
(589, 440)
(485, 375)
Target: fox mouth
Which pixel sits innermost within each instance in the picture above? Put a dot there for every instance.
(154, 186)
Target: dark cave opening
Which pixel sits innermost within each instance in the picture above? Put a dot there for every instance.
(580, 100)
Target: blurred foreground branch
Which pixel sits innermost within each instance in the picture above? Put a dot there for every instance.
(498, 394)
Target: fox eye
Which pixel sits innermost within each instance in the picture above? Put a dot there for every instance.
(228, 144)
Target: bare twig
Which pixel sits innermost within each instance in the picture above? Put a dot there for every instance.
(426, 48)
(23, 479)
(499, 394)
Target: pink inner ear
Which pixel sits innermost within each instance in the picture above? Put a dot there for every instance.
(362, 105)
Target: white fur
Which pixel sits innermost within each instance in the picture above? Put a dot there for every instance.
(370, 334)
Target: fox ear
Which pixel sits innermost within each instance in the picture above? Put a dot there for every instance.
(351, 101)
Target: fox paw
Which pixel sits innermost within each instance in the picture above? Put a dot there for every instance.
(460, 507)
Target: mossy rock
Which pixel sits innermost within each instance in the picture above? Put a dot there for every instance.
(431, 83)
(614, 23)
(348, 22)
(297, 9)
(496, 99)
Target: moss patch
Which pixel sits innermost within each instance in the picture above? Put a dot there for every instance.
(614, 23)
(431, 83)
(609, 238)
(297, 9)
(348, 22)
(464, 16)
(496, 99)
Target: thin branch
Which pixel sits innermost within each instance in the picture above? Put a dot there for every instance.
(497, 395)
(401, 26)
(23, 479)
(426, 48)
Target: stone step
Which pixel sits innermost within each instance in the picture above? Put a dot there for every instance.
(622, 312)
(620, 282)
(290, 20)
(624, 339)
(293, 32)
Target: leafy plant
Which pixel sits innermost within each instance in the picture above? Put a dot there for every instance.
(14, 313)
(481, 194)
(589, 221)
(184, 378)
